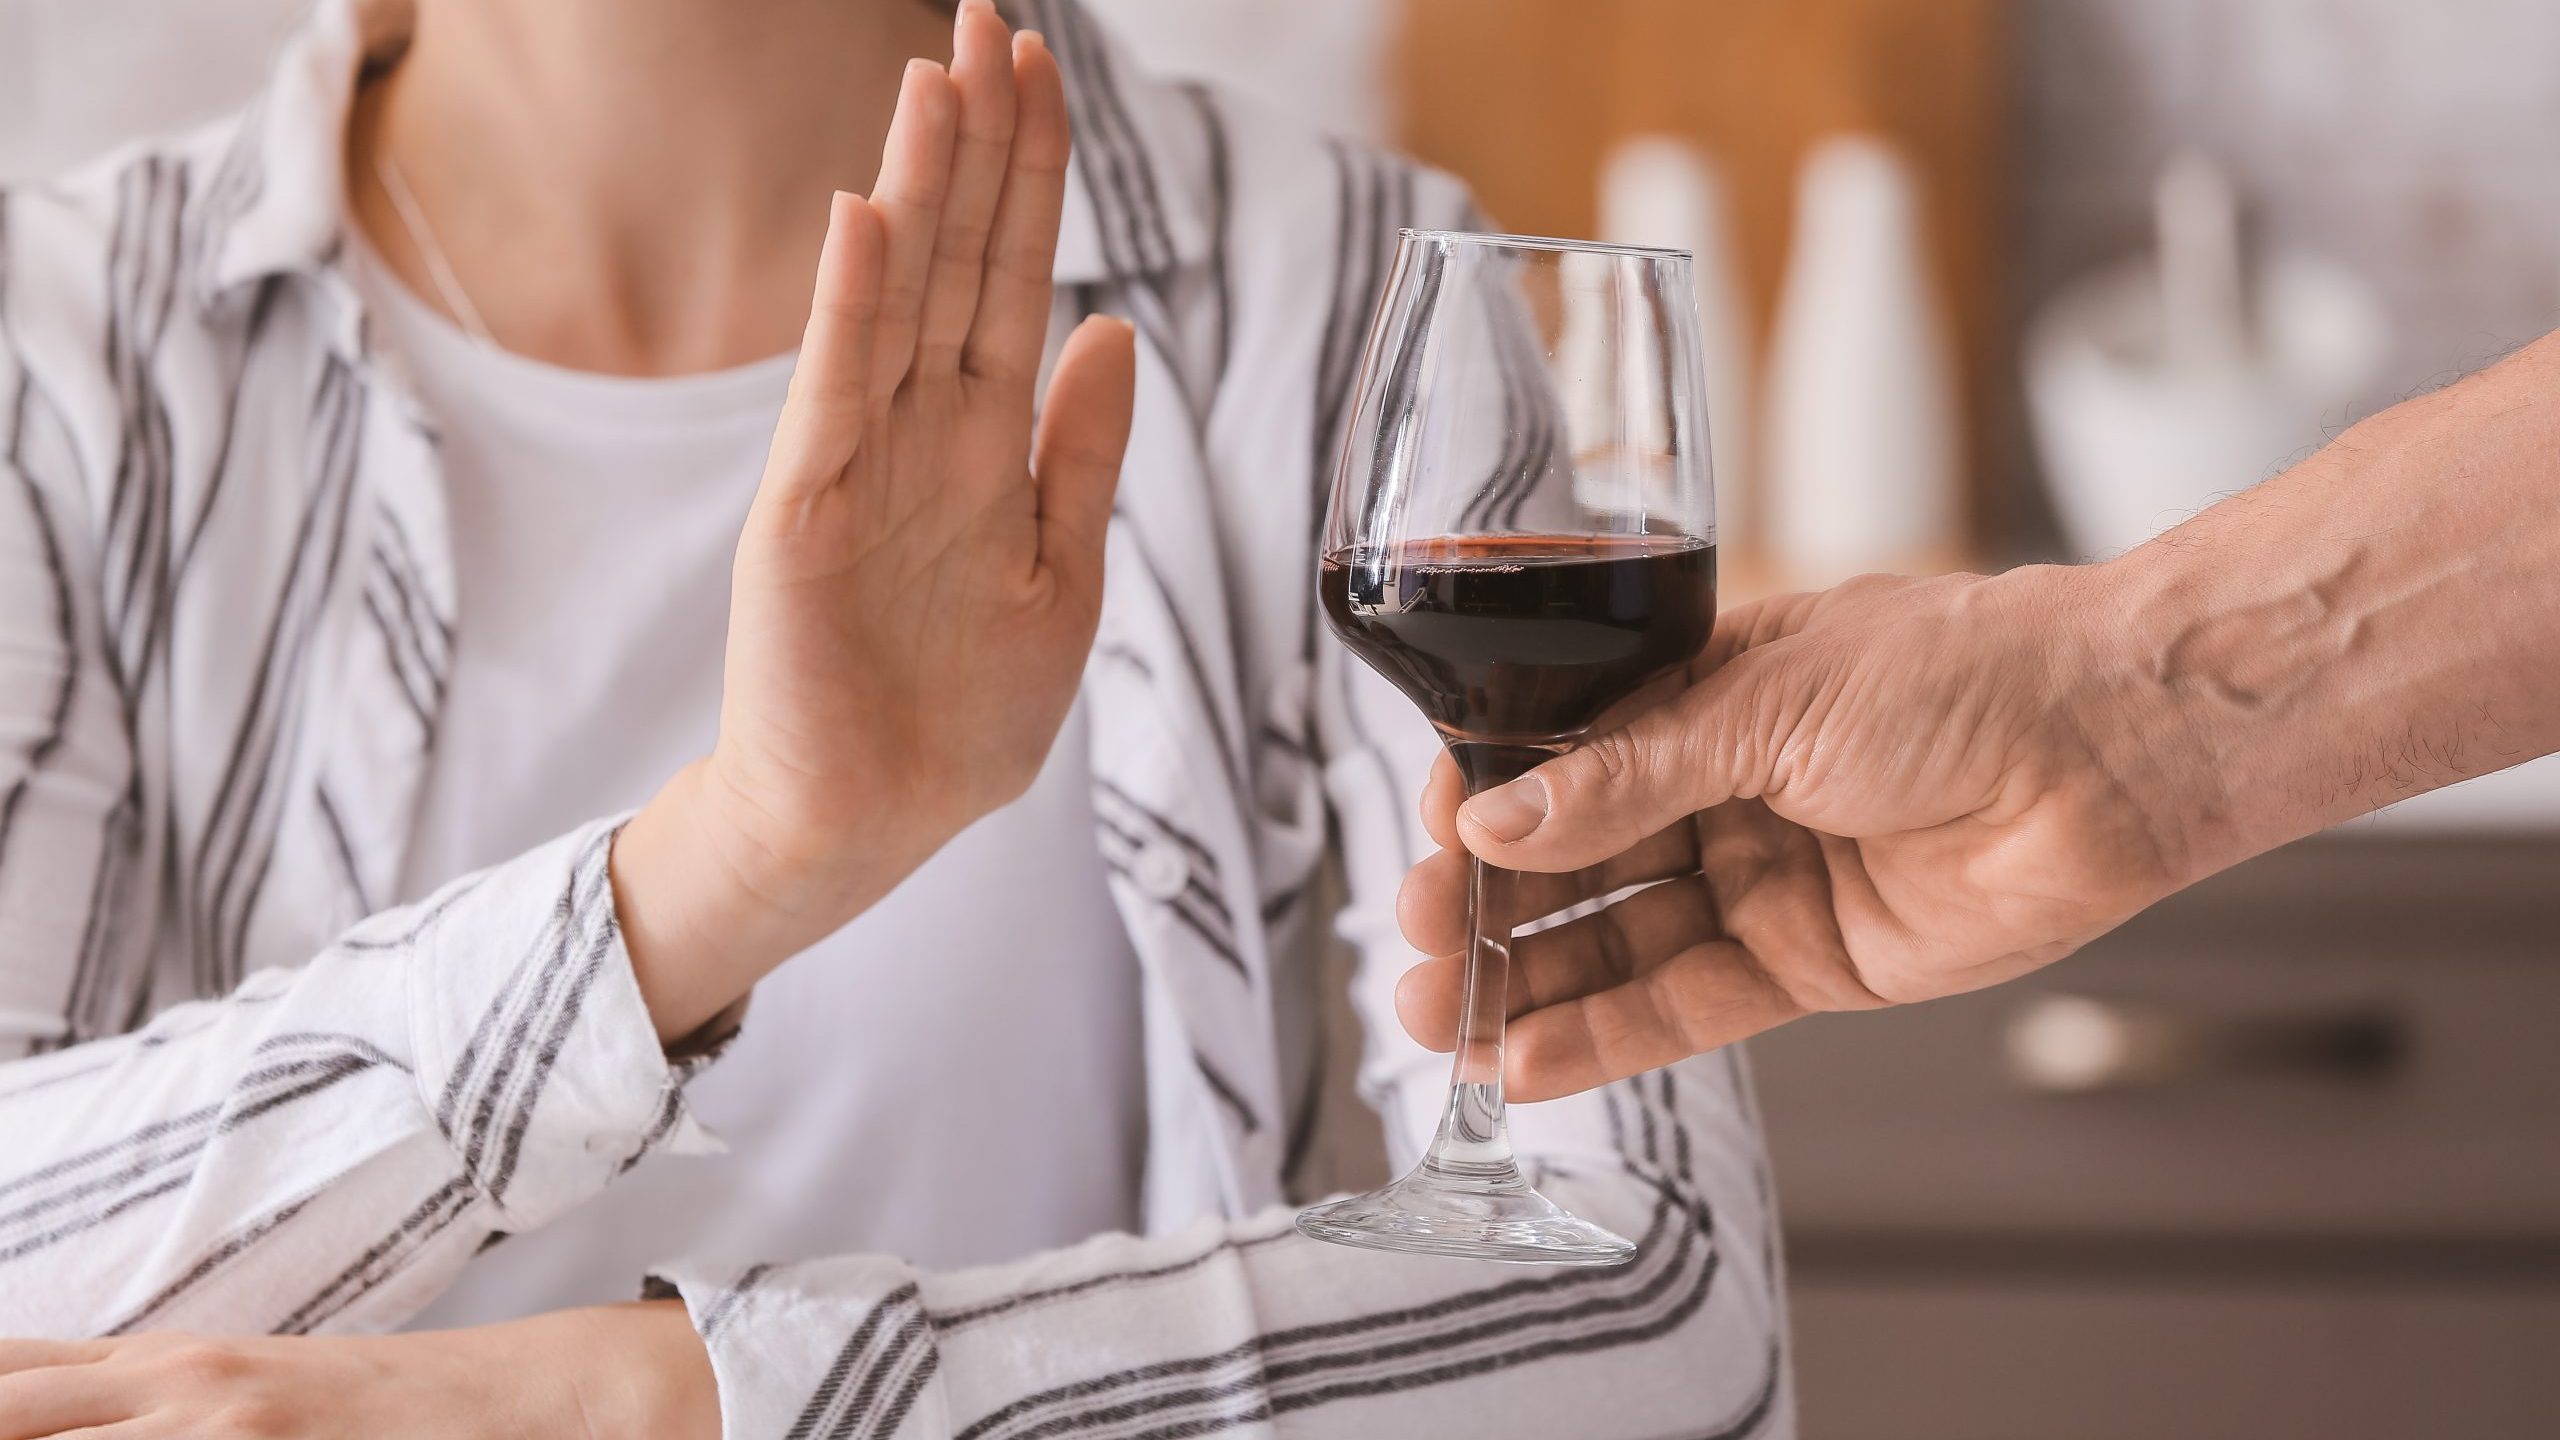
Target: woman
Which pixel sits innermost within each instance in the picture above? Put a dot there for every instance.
(374, 465)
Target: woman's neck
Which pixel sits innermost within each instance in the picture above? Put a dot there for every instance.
(632, 186)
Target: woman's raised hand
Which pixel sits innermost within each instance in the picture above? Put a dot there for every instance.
(919, 579)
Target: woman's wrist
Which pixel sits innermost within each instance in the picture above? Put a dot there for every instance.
(705, 910)
(713, 891)
(607, 1372)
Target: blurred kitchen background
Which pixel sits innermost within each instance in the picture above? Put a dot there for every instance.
(1992, 281)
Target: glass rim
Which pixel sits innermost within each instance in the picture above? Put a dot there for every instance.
(1493, 240)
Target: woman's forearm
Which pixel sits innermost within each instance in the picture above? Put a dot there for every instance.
(1230, 1322)
(325, 1147)
(706, 912)
(2379, 621)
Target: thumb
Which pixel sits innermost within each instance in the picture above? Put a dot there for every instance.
(1599, 799)
(1084, 432)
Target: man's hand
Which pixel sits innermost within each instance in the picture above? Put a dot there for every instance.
(601, 1374)
(919, 580)
(1888, 792)
(1903, 789)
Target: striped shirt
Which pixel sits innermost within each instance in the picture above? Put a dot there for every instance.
(237, 1093)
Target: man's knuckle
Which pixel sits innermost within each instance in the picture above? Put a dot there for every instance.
(1689, 747)
(1615, 759)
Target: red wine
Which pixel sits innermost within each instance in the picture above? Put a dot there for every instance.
(1522, 639)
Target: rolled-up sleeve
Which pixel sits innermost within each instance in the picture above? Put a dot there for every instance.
(1247, 1328)
(325, 1147)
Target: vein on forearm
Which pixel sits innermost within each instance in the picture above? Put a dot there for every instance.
(2381, 620)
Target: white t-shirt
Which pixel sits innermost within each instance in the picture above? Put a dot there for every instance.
(955, 1077)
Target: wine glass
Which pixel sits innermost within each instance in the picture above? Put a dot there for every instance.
(1521, 535)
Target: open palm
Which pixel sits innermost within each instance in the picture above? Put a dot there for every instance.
(918, 583)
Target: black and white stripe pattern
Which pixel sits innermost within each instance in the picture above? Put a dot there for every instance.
(876, 1377)
(230, 864)
(1377, 198)
(1464, 1338)
(41, 523)
(62, 1200)
(35, 423)
(230, 1248)
(1505, 1321)
(488, 1103)
(1378, 202)
(238, 181)
(1113, 157)
(359, 903)
(716, 1316)
(381, 1261)
(234, 636)
(1128, 830)
(1476, 1332)
(143, 261)
(419, 634)
(1221, 284)
(953, 1321)
(1534, 439)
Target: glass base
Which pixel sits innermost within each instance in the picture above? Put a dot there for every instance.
(1428, 1213)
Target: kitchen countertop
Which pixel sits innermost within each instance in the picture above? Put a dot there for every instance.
(2526, 798)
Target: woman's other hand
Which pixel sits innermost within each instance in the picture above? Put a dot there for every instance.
(920, 577)
(601, 1374)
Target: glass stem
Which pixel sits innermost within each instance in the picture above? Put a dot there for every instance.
(1473, 1146)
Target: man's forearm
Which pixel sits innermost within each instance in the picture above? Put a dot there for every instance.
(2379, 621)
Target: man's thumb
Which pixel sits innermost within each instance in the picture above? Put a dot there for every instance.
(1598, 799)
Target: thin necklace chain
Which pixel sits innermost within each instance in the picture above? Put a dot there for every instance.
(439, 270)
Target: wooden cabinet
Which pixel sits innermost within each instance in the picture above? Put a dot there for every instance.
(2271, 1241)
(1523, 98)
(2177, 1358)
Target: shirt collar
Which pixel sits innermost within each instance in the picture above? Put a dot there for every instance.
(1137, 202)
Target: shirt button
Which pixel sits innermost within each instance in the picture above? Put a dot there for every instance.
(1161, 871)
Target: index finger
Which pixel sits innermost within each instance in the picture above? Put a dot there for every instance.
(1607, 948)
(1706, 997)
(1431, 905)
(1711, 744)
(1442, 794)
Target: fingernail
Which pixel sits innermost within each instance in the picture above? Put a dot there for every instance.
(1032, 38)
(1513, 811)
